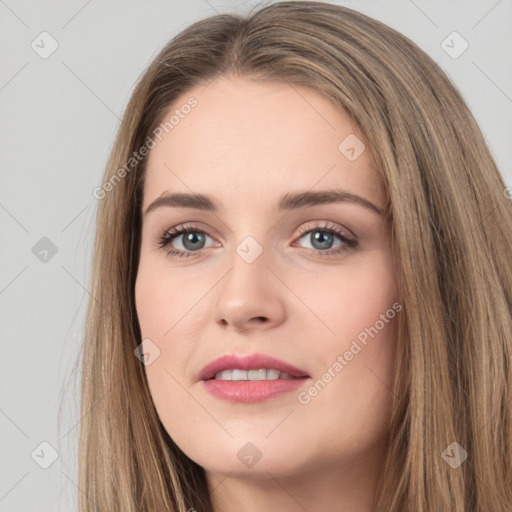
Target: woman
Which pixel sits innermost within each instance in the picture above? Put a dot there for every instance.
(228, 366)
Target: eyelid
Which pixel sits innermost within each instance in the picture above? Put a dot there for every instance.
(179, 230)
(328, 225)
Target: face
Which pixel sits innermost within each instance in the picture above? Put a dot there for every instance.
(307, 280)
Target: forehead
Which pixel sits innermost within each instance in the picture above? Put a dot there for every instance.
(244, 140)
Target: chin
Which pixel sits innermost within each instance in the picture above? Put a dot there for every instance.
(248, 458)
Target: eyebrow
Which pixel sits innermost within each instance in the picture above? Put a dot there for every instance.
(289, 201)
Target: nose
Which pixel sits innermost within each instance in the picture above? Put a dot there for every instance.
(250, 296)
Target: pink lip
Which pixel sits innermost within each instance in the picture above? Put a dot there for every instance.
(250, 391)
(250, 362)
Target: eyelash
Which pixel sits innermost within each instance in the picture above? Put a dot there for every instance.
(173, 233)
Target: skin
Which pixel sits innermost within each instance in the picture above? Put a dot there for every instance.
(246, 144)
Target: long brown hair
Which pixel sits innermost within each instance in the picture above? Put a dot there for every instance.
(452, 246)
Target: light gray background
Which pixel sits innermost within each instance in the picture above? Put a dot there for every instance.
(58, 119)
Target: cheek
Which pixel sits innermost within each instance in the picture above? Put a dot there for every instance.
(349, 299)
(170, 317)
(356, 310)
(163, 300)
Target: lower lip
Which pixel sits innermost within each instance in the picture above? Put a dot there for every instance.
(250, 391)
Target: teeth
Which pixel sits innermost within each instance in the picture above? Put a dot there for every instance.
(257, 374)
(261, 374)
(239, 375)
(273, 374)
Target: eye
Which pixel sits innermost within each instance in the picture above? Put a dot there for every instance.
(322, 238)
(193, 239)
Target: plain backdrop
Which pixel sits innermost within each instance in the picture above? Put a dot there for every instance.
(67, 71)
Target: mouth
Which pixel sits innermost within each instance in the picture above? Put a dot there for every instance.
(251, 379)
(252, 375)
(251, 368)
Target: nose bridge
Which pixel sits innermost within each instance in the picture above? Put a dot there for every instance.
(247, 291)
(248, 268)
(251, 241)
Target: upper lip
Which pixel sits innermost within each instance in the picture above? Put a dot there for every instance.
(248, 362)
